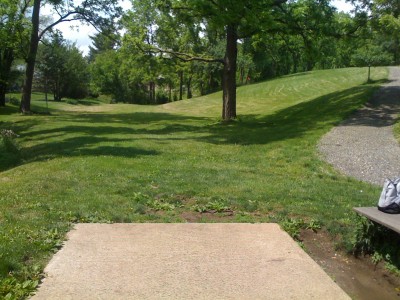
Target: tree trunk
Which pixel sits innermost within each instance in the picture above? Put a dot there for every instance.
(369, 74)
(241, 75)
(229, 74)
(150, 92)
(2, 95)
(170, 92)
(189, 88)
(5, 64)
(180, 85)
(30, 61)
(154, 93)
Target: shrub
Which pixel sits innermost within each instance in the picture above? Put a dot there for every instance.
(9, 150)
(14, 101)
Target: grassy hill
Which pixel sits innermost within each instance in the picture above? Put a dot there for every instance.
(96, 162)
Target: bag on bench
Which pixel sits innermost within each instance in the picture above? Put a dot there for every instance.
(389, 202)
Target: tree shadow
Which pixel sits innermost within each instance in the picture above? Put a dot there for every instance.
(94, 134)
(82, 146)
(292, 122)
(380, 111)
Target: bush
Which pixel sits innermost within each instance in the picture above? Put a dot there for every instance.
(161, 98)
(7, 137)
(72, 101)
(14, 101)
(373, 239)
(9, 150)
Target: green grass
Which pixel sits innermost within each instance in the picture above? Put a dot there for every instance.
(96, 162)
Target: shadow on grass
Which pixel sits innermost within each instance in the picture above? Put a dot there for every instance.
(381, 111)
(85, 132)
(295, 121)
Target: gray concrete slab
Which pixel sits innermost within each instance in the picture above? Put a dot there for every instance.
(184, 261)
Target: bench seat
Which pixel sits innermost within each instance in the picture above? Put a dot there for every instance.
(388, 220)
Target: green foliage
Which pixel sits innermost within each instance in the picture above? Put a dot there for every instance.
(14, 101)
(376, 258)
(375, 239)
(371, 55)
(72, 101)
(293, 226)
(61, 69)
(314, 225)
(161, 205)
(13, 36)
(11, 288)
(215, 205)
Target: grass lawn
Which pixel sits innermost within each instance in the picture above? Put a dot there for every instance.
(96, 162)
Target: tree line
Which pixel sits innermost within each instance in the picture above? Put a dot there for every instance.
(167, 50)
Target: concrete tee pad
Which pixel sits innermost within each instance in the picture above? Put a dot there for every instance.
(184, 261)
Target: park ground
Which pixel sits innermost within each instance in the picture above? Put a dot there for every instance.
(88, 161)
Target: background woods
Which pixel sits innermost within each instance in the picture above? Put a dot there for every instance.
(160, 51)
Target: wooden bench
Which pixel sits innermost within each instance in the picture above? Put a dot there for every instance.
(387, 220)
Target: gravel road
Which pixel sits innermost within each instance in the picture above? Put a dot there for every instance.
(364, 146)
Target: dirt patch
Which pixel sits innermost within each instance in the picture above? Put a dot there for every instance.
(358, 277)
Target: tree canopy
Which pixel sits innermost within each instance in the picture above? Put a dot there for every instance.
(174, 49)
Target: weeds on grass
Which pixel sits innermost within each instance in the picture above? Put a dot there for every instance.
(11, 288)
(8, 140)
(293, 226)
(161, 205)
(216, 205)
(9, 149)
(378, 241)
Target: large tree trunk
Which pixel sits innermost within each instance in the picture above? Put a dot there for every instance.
(2, 94)
(30, 61)
(229, 74)
(5, 65)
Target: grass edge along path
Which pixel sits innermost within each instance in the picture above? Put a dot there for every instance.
(177, 163)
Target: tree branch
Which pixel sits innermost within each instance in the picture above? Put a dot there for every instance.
(182, 56)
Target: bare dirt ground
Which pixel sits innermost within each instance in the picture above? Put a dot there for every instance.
(358, 277)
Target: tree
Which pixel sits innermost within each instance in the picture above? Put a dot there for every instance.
(370, 55)
(106, 39)
(384, 16)
(62, 69)
(13, 31)
(236, 18)
(89, 11)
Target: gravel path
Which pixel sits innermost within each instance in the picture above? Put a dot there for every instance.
(364, 146)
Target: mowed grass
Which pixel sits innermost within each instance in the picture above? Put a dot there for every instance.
(95, 162)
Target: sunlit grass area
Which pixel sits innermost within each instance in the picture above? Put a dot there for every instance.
(94, 162)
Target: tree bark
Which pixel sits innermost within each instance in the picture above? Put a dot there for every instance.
(170, 92)
(229, 74)
(2, 95)
(189, 88)
(180, 85)
(5, 65)
(31, 59)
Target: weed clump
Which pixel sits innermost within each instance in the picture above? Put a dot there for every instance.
(378, 241)
(9, 149)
